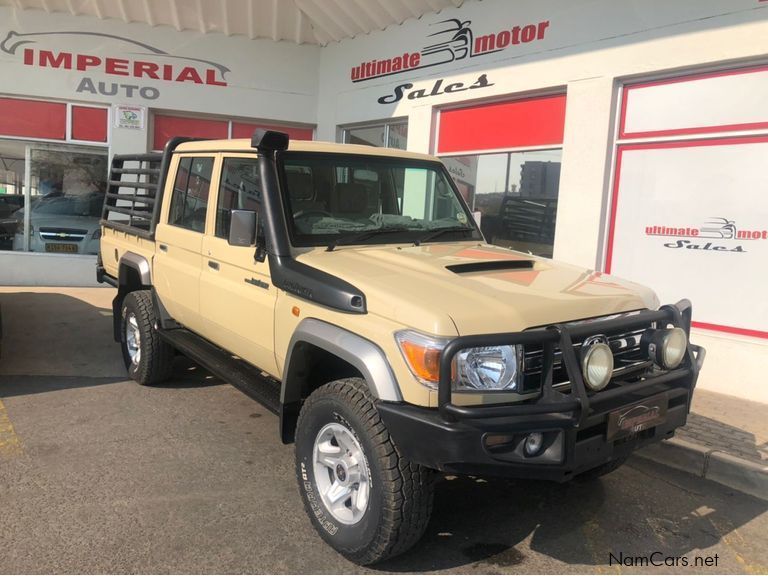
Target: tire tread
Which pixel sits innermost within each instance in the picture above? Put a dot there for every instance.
(156, 363)
(407, 488)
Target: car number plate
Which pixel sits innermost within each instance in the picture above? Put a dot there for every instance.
(68, 248)
(630, 420)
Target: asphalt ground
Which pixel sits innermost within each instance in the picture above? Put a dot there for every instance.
(99, 474)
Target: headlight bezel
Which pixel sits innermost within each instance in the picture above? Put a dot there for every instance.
(513, 384)
(422, 353)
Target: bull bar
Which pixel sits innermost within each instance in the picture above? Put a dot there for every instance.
(579, 402)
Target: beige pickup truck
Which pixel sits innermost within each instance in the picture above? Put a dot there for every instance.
(349, 290)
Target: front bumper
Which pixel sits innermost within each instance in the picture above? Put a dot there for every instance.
(578, 427)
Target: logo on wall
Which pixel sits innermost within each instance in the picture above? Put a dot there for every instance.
(716, 228)
(35, 51)
(455, 41)
(436, 90)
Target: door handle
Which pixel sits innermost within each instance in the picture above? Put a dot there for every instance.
(213, 265)
(163, 247)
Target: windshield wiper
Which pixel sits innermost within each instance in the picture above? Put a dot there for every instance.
(440, 231)
(364, 235)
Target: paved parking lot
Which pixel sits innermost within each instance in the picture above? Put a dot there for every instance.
(98, 474)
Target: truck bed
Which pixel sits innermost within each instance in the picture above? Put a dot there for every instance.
(131, 208)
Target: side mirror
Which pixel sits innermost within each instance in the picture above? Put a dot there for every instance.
(242, 228)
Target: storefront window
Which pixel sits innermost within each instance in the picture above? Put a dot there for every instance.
(390, 135)
(515, 193)
(63, 186)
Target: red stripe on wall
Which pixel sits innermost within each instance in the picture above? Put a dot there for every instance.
(245, 130)
(89, 124)
(166, 127)
(520, 123)
(33, 119)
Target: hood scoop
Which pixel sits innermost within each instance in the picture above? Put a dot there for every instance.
(492, 265)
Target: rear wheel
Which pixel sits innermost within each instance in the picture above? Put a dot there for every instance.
(148, 359)
(362, 497)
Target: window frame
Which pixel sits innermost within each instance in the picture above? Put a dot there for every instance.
(212, 185)
(386, 124)
(220, 172)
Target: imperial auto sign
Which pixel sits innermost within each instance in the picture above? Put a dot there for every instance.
(147, 62)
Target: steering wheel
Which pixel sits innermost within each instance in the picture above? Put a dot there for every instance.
(316, 212)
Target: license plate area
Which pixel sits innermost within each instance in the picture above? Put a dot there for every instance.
(65, 248)
(635, 418)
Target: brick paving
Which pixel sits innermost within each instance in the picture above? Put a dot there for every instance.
(732, 425)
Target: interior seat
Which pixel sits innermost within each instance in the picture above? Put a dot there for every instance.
(350, 200)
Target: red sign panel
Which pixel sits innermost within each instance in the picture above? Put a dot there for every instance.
(33, 119)
(166, 127)
(89, 124)
(243, 130)
(516, 124)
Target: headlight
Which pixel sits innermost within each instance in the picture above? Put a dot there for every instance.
(96, 234)
(474, 369)
(666, 347)
(488, 368)
(20, 227)
(597, 366)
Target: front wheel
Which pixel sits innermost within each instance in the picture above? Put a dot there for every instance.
(602, 470)
(362, 497)
(148, 359)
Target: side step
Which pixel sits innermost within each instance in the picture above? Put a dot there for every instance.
(241, 375)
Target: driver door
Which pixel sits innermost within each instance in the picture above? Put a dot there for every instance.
(237, 298)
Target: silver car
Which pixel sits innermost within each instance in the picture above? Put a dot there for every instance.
(66, 224)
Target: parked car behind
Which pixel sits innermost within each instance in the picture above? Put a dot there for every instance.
(9, 203)
(64, 224)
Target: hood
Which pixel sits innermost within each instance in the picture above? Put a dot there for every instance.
(89, 223)
(470, 288)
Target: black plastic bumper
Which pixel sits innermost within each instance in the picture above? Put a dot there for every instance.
(576, 426)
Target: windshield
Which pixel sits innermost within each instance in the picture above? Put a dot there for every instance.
(333, 197)
(76, 205)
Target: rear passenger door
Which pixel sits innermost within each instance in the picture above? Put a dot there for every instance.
(179, 238)
(237, 299)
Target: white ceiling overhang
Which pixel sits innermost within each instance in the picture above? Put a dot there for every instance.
(298, 21)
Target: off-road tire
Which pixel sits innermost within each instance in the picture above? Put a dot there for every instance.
(401, 492)
(602, 470)
(155, 363)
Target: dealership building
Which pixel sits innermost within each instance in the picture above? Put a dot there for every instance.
(629, 138)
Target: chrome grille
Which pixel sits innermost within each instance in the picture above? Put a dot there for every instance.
(63, 234)
(630, 362)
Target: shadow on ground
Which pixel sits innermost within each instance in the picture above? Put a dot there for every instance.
(55, 341)
(483, 522)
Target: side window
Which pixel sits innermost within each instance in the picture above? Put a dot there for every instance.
(190, 193)
(240, 189)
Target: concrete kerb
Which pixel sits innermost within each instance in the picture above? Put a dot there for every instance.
(716, 465)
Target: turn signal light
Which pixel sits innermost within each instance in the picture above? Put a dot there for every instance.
(423, 361)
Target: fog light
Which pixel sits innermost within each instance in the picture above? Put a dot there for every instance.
(533, 443)
(666, 348)
(597, 366)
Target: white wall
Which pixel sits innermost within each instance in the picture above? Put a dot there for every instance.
(588, 49)
(265, 80)
(273, 81)
(40, 269)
